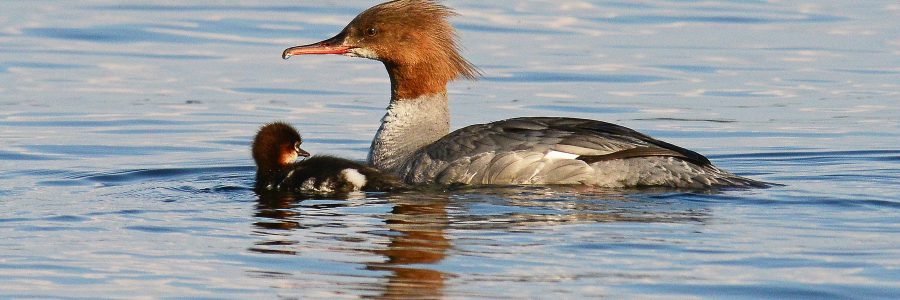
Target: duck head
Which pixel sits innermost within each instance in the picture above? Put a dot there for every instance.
(276, 146)
(412, 38)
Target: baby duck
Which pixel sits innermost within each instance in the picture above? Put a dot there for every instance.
(276, 148)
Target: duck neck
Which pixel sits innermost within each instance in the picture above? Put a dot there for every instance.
(268, 178)
(408, 125)
(412, 81)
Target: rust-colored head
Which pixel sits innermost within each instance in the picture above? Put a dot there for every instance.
(276, 146)
(412, 38)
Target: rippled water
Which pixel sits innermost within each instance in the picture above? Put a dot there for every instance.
(125, 168)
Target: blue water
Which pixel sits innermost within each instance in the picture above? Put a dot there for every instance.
(125, 168)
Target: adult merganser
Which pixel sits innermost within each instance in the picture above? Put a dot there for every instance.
(277, 146)
(418, 47)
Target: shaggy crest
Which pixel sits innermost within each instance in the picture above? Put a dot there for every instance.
(413, 39)
(437, 47)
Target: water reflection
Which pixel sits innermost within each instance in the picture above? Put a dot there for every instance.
(276, 210)
(420, 225)
(517, 208)
(401, 239)
(415, 228)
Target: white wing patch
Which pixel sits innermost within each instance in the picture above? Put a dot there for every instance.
(355, 177)
(326, 187)
(309, 185)
(553, 154)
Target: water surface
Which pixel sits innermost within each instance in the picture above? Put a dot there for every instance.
(125, 168)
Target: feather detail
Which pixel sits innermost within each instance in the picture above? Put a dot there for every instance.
(560, 151)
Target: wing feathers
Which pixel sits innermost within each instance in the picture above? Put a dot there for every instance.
(515, 151)
(633, 153)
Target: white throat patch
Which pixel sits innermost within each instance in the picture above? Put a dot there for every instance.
(408, 125)
(362, 52)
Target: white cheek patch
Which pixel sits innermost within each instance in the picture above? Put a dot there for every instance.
(362, 52)
(355, 177)
(289, 158)
(553, 154)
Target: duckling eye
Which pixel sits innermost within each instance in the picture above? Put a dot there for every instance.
(297, 146)
(371, 32)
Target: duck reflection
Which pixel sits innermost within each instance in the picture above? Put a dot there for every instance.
(529, 207)
(415, 229)
(420, 224)
(275, 211)
(278, 210)
(411, 238)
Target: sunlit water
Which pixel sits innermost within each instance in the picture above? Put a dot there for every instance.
(125, 168)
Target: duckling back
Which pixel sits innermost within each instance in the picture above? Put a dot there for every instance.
(324, 174)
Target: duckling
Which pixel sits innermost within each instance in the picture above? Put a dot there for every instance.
(276, 148)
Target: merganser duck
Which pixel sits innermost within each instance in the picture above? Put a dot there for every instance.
(277, 146)
(418, 47)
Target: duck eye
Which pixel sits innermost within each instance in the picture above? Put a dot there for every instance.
(371, 32)
(297, 146)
